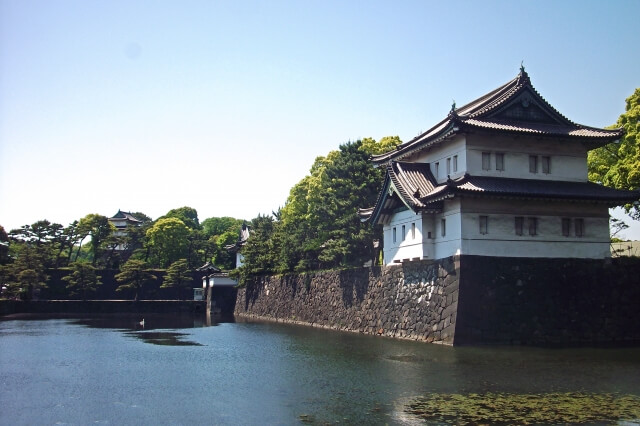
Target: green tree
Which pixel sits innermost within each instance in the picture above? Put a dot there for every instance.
(260, 252)
(618, 164)
(319, 221)
(179, 276)
(134, 275)
(99, 229)
(188, 216)
(4, 246)
(26, 275)
(221, 257)
(220, 232)
(83, 279)
(168, 239)
(386, 144)
(219, 225)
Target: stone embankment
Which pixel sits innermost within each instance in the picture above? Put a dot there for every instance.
(463, 300)
(413, 301)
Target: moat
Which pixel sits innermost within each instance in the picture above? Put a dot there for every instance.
(179, 370)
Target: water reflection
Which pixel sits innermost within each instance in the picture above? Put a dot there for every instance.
(146, 322)
(93, 369)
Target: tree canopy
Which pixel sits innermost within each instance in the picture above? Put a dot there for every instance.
(134, 275)
(168, 239)
(179, 276)
(318, 227)
(618, 164)
(83, 279)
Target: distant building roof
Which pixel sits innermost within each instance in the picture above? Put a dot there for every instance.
(209, 268)
(243, 236)
(128, 217)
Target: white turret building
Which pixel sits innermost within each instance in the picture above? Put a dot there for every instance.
(505, 175)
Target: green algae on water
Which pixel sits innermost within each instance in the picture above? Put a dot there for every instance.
(507, 408)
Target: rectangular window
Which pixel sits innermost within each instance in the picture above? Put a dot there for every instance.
(394, 235)
(533, 164)
(486, 161)
(443, 227)
(546, 165)
(449, 166)
(413, 231)
(500, 161)
(519, 225)
(566, 226)
(403, 232)
(579, 225)
(484, 225)
(437, 170)
(455, 163)
(533, 225)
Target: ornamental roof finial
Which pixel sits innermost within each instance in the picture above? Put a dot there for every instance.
(522, 66)
(453, 105)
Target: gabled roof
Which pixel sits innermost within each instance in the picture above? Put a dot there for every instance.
(515, 107)
(405, 185)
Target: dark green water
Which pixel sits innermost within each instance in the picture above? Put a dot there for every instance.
(177, 371)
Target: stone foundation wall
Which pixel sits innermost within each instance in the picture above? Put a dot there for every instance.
(548, 301)
(466, 300)
(416, 300)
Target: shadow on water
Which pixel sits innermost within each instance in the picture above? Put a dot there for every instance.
(156, 329)
(163, 338)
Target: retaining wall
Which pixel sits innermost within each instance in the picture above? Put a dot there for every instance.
(463, 300)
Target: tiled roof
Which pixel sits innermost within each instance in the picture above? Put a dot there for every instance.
(208, 268)
(125, 215)
(513, 107)
(532, 188)
(404, 184)
(413, 185)
(540, 128)
(413, 180)
(245, 232)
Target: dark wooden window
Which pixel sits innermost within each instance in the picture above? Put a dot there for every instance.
(533, 164)
(484, 224)
(519, 225)
(546, 165)
(486, 161)
(500, 161)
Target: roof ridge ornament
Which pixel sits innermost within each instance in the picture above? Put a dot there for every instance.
(453, 112)
(523, 77)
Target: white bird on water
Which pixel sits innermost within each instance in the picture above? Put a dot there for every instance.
(142, 323)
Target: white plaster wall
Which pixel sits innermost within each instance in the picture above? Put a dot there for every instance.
(440, 154)
(448, 245)
(501, 239)
(221, 281)
(407, 248)
(568, 158)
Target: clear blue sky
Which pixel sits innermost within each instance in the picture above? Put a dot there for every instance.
(224, 105)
